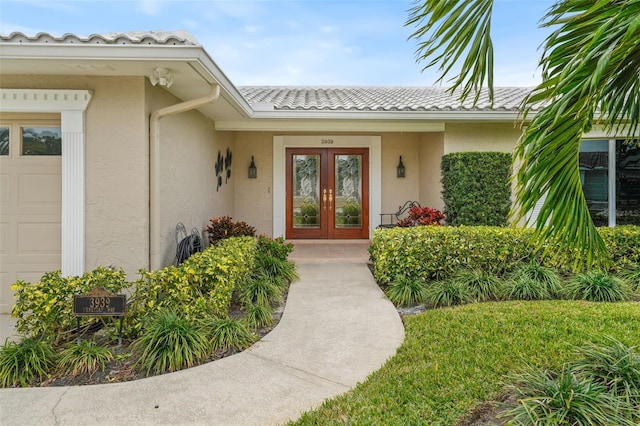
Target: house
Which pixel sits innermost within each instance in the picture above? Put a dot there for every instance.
(108, 141)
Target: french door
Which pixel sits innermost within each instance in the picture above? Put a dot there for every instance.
(327, 193)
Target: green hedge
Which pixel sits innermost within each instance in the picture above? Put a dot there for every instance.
(476, 188)
(202, 284)
(435, 252)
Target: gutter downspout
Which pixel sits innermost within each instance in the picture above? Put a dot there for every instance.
(154, 168)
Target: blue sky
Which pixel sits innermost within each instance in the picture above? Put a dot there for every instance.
(293, 42)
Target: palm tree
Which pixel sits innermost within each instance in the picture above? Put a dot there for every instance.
(590, 75)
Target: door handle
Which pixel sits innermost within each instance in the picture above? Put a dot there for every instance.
(324, 199)
(330, 199)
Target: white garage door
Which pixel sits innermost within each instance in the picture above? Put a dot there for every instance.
(30, 203)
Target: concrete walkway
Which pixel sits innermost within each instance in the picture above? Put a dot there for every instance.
(337, 328)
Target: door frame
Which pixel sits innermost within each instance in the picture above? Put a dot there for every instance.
(282, 142)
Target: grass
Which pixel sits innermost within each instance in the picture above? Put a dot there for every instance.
(454, 359)
(86, 357)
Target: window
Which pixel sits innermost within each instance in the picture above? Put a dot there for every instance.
(597, 157)
(4, 141)
(41, 141)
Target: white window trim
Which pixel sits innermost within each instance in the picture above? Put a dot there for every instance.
(71, 105)
(281, 143)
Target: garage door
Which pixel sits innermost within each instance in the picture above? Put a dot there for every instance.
(30, 203)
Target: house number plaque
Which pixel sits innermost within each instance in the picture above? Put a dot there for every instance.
(100, 303)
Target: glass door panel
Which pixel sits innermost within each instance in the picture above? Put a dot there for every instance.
(348, 191)
(306, 191)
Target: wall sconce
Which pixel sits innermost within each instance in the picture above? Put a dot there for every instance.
(253, 170)
(401, 170)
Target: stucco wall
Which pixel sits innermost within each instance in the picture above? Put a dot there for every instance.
(116, 166)
(396, 191)
(431, 150)
(189, 149)
(460, 137)
(254, 197)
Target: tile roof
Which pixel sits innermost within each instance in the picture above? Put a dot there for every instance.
(380, 98)
(165, 38)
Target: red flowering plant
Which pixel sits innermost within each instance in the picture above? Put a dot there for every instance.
(419, 216)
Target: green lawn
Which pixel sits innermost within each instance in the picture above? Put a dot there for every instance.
(454, 359)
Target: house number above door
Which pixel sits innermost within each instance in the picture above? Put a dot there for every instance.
(326, 141)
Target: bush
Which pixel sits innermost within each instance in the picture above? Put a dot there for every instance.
(547, 278)
(274, 247)
(202, 285)
(448, 293)
(421, 216)
(597, 286)
(223, 227)
(84, 358)
(437, 252)
(261, 290)
(544, 398)
(476, 188)
(631, 275)
(45, 309)
(406, 292)
(23, 362)
(482, 285)
(613, 365)
(229, 334)
(523, 287)
(170, 342)
(258, 316)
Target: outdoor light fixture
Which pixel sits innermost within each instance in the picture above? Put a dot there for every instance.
(161, 77)
(401, 170)
(253, 170)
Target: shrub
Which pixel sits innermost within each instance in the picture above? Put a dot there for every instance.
(170, 342)
(613, 365)
(437, 252)
(544, 398)
(476, 188)
(523, 287)
(258, 316)
(202, 285)
(406, 292)
(229, 334)
(421, 216)
(274, 267)
(45, 309)
(448, 293)
(223, 227)
(261, 290)
(274, 247)
(597, 286)
(483, 286)
(546, 277)
(84, 358)
(23, 362)
(631, 275)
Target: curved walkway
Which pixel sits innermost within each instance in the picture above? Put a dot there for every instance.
(336, 329)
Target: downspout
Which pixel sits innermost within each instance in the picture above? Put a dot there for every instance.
(154, 168)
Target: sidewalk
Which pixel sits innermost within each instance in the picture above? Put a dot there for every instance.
(337, 328)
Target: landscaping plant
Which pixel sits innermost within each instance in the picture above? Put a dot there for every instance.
(85, 357)
(170, 342)
(229, 334)
(21, 363)
(546, 398)
(483, 286)
(613, 365)
(406, 291)
(545, 276)
(597, 286)
(422, 216)
(523, 287)
(448, 293)
(631, 274)
(45, 309)
(224, 227)
(258, 315)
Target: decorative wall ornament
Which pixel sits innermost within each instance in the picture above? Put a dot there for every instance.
(223, 168)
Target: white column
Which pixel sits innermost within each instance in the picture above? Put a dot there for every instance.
(612, 182)
(73, 187)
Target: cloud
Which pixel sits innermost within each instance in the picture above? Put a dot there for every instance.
(149, 7)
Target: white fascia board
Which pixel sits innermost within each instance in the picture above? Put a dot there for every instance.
(503, 116)
(302, 125)
(200, 61)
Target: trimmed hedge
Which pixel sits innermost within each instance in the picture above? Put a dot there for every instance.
(202, 285)
(434, 252)
(476, 188)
